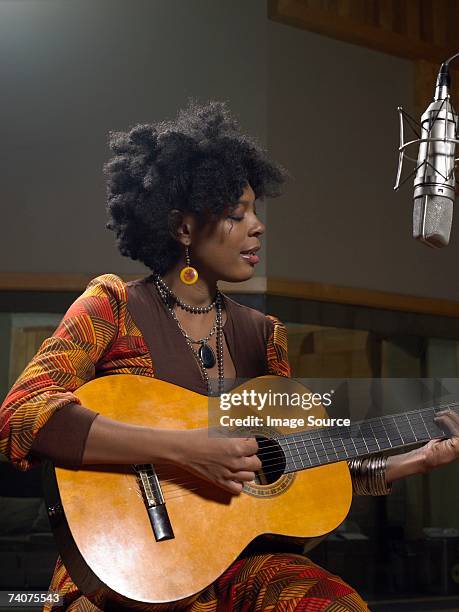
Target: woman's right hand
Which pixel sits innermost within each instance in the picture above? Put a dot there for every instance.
(226, 462)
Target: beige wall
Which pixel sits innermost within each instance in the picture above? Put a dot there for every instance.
(73, 70)
(70, 72)
(332, 121)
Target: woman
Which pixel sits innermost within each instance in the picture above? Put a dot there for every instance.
(181, 199)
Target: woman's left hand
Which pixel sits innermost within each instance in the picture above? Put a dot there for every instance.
(442, 451)
(435, 453)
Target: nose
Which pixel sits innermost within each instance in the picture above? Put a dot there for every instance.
(257, 228)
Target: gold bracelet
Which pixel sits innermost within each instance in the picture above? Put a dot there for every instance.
(369, 476)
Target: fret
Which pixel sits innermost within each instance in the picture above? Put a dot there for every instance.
(288, 447)
(376, 439)
(414, 424)
(425, 425)
(371, 445)
(295, 452)
(340, 452)
(410, 432)
(319, 450)
(332, 445)
(302, 441)
(363, 439)
(398, 430)
(355, 448)
(316, 460)
(343, 454)
(303, 451)
(300, 447)
(360, 446)
(319, 437)
(386, 435)
(316, 452)
(325, 448)
(381, 434)
(395, 437)
(348, 445)
(324, 438)
(297, 447)
(433, 429)
(328, 445)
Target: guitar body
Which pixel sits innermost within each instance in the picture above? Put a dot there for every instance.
(102, 526)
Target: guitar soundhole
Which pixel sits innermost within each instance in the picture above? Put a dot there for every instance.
(272, 459)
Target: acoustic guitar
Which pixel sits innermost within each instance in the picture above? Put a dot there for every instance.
(159, 534)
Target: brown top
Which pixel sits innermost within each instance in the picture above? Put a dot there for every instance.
(64, 436)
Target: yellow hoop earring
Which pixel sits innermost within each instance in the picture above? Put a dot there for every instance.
(188, 274)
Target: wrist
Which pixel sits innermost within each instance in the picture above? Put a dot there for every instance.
(404, 464)
(166, 446)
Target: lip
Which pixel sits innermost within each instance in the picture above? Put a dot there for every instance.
(250, 258)
(253, 250)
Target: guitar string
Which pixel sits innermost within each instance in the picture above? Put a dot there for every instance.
(322, 435)
(321, 453)
(348, 444)
(170, 488)
(188, 491)
(174, 491)
(372, 423)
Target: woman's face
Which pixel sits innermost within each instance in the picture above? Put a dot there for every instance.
(226, 249)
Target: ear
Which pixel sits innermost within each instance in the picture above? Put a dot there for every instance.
(181, 225)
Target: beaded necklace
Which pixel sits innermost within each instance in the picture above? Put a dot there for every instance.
(204, 356)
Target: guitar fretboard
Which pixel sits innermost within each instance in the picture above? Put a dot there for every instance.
(331, 444)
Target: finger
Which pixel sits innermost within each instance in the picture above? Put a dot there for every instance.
(454, 446)
(251, 464)
(434, 442)
(434, 446)
(450, 411)
(250, 447)
(446, 421)
(443, 416)
(453, 415)
(245, 464)
(233, 486)
(243, 476)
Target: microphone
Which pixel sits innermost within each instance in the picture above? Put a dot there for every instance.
(434, 182)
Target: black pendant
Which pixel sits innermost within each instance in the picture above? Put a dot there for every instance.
(206, 355)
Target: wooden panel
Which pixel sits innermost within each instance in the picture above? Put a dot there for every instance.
(34, 281)
(334, 353)
(25, 341)
(407, 28)
(347, 364)
(362, 297)
(25, 281)
(336, 340)
(425, 78)
(412, 19)
(286, 287)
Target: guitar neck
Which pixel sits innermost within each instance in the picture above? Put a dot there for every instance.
(331, 444)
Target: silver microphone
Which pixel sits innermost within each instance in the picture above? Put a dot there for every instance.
(434, 183)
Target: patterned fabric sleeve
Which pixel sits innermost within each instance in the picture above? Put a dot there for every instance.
(64, 362)
(277, 349)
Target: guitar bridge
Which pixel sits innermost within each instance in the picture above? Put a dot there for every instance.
(154, 501)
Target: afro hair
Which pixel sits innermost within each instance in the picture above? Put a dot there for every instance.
(199, 163)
